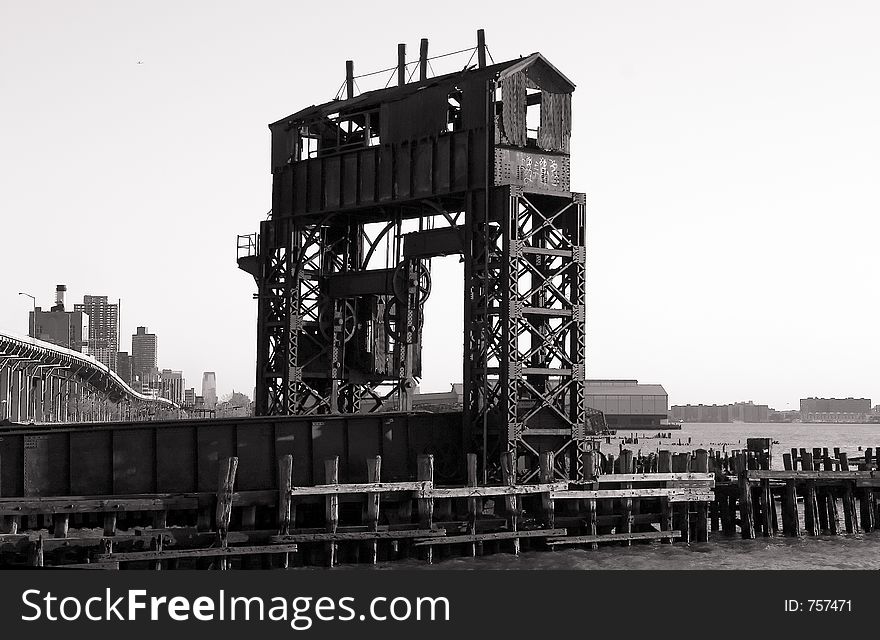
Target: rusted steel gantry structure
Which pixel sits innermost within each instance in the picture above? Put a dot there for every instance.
(44, 383)
(366, 190)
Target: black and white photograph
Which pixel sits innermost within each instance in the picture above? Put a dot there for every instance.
(403, 292)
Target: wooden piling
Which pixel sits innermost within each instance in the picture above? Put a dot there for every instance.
(866, 508)
(811, 516)
(626, 504)
(474, 504)
(545, 475)
(701, 465)
(374, 474)
(286, 515)
(331, 506)
(850, 520)
(60, 524)
(791, 525)
(223, 514)
(664, 465)
(766, 500)
(681, 511)
(746, 511)
(425, 473)
(508, 471)
(591, 466)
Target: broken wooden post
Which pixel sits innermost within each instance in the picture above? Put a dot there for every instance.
(223, 514)
(508, 471)
(425, 473)
(681, 511)
(60, 524)
(590, 474)
(374, 474)
(286, 516)
(37, 552)
(545, 475)
(701, 465)
(766, 502)
(626, 504)
(664, 465)
(746, 511)
(811, 515)
(850, 520)
(474, 504)
(331, 505)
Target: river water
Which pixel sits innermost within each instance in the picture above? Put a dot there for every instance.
(823, 552)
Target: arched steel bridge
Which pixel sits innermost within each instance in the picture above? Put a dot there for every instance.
(42, 382)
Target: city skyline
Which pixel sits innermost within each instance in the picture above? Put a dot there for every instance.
(729, 201)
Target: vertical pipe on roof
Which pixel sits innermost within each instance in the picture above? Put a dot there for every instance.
(481, 48)
(401, 64)
(423, 60)
(349, 79)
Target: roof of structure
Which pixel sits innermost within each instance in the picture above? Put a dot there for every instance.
(536, 67)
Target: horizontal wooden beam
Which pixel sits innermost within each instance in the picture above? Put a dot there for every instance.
(358, 535)
(614, 537)
(367, 487)
(82, 504)
(481, 492)
(655, 477)
(810, 475)
(498, 535)
(134, 556)
(650, 492)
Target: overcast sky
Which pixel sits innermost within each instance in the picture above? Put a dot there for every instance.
(730, 153)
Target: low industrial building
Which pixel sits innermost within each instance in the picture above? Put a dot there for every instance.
(850, 410)
(627, 404)
(735, 412)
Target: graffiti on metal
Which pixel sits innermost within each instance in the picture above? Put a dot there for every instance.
(533, 171)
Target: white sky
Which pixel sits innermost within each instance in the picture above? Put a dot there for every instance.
(729, 152)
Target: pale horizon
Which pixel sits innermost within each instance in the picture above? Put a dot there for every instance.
(729, 155)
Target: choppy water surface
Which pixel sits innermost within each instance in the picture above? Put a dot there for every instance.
(823, 552)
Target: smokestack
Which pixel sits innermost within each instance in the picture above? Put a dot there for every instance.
(481, 48)
(401, 64)
(349, 79)
(423, 60)
(59, 297)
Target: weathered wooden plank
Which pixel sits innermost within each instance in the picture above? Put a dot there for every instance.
(358, 535)
(651, 492)
(656, 477)
(83, 504)
(89, 565)
(374, 474)
(378, 487)
(809, 475)
(483, 492)
(135, 556)
(497, 535)
(508, 473)
(331, 505)
(613, 537)
(425, 473)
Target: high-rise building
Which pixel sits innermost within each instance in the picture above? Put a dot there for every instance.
(189, 398)
(171, 385)
(209, 389)
(143, 353)
(103, 328)
(68, 329)
(123, 366)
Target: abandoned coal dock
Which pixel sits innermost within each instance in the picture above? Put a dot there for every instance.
(337, 467)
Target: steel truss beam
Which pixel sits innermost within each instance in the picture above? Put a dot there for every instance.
(525, 350)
